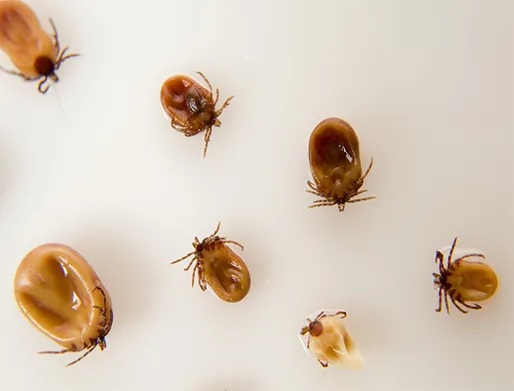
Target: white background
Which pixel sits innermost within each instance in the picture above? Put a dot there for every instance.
(94, 164)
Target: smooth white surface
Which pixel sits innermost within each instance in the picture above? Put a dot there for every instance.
(94, 164)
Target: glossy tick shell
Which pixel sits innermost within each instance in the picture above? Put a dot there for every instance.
(335, 164)
(33, 52)
(331, 342)
(61, 295)
(219, 267)
(465, 279)
(191, 107)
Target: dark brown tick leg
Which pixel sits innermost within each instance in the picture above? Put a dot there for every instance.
(457, 306)
(342, 313)
(82, 357)
(469, 256)
(446, 302)
(362, 199)
(450, 255)
(439, 258)
(324, 365)
(56, 351)
(473, 306)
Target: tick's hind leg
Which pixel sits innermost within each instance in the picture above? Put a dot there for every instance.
(368, 170)
(323, 364)
(206, 81)
(82, 357)
(15, 73)
(69, 350)
(207, 138)
(218, 112)
(236, 243)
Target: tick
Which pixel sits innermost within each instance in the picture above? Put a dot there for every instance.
(335, 164)
(330, 341)
(463, 280)
(219, 267)
(62, 296)
(35, 54)
(191, 106)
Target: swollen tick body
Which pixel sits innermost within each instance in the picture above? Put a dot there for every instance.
(335, 164)
(35, 54)
(62, 296)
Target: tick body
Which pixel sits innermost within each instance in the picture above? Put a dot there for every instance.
(335, 164)
(35, 54)
(463, 280)
(216, 265)
(330, 341)
(191, 107)
(62, 296)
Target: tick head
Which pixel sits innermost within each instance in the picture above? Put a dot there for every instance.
(45, 67)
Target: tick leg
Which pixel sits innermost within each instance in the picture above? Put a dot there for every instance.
(190, 263)
(439, 258)
(207, 138)
(193, 277)
(55, 36)
(81, 357)
(446, 302)
(469, 256)
(450, 255)
(206, 81)
(57, 351)
(308, 341)
(362, 199)
(218, 112)
(62, 57)
(368, 170)
(312, 186)
(181, 127)
(217, 97)
(184, 257)
(237, 244)
(320, 315)
(438, 309)
(40, 85)
(14, 73)
(342, 313)
(457, 306)
(102, 292)
(217, 229)
(473, 306)
(326, 203)
(324, 365)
